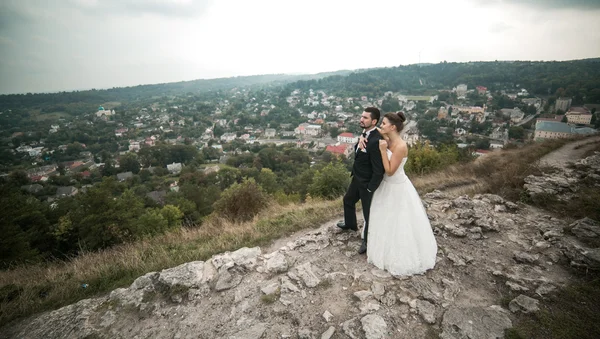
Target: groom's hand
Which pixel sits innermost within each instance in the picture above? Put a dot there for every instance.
(362, 143)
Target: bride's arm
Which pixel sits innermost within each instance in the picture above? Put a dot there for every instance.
(391, 165)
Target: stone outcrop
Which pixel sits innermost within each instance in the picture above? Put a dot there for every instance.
(317, 286)
(564, 182)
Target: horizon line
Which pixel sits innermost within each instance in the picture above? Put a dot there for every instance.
(288, 74)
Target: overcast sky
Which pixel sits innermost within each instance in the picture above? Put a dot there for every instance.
(55, 45)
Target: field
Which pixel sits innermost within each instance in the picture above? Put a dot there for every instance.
(36, 116)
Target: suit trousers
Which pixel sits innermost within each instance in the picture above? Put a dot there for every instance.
(357, 192)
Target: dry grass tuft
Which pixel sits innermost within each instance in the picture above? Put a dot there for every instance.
(501, 172)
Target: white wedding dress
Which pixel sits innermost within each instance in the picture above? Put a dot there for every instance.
(400, 240)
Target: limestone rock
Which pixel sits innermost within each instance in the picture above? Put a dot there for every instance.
(189, 275)
(270, 288)
(544, 289)
(374, 326)
(378, 289)
(351, 328)
(226, 280)
(254, 332)
(329, 333)
(475, 322)
(436, 194)
(277, 263)
(456, 260)
(523, 257)
(426, 311)
(585, 228)
(327, 316)
(306, 274)
(244, 257)
(369, 307)
(305, 333)
(516, 287)
(524, 304)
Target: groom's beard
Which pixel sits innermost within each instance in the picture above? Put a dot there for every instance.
(367, 128)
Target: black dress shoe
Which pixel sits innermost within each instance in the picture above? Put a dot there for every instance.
(363, 248)
(343, 226)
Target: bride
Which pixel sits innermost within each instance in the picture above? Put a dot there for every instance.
(400, 237)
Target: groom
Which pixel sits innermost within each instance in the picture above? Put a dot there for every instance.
(367, 173)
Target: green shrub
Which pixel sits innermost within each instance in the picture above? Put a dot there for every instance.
(330, 182)
(241, 202)
(424, 158)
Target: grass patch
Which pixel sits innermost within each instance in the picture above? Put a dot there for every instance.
(269, 298)
(27, 290)
(50, 116)
(325, 283)
(573, 312)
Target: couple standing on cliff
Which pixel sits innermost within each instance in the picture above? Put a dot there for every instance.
(397, 236)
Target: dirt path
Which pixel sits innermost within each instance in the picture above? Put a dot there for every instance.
(559, 158)
(569, 152)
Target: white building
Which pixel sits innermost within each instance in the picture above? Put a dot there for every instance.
(308, 129)
(460, 131)
(270, 132)
(563, 104)
(347, 138)
(461, 90)
(579, 115)
(227, 137)
(134, 146)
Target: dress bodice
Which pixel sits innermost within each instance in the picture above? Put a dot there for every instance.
(399, 176)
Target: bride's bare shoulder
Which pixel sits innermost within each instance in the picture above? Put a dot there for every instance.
(401, 148)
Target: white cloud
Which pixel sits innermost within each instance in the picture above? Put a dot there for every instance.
(119, 43)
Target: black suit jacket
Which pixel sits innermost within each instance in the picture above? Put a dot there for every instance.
(368, 166)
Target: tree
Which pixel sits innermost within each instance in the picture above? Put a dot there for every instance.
(228, 176)
(19, 178)
(482, 144)
(210, 153)
(24, 227)
(596, 121)
(334, 132)
(516, 132)
(564, 119)
(268, 180)
(129, 163)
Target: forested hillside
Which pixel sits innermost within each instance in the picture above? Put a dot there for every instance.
(579, 79)
(76, 101)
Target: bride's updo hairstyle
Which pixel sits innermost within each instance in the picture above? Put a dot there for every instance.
(396, 119)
